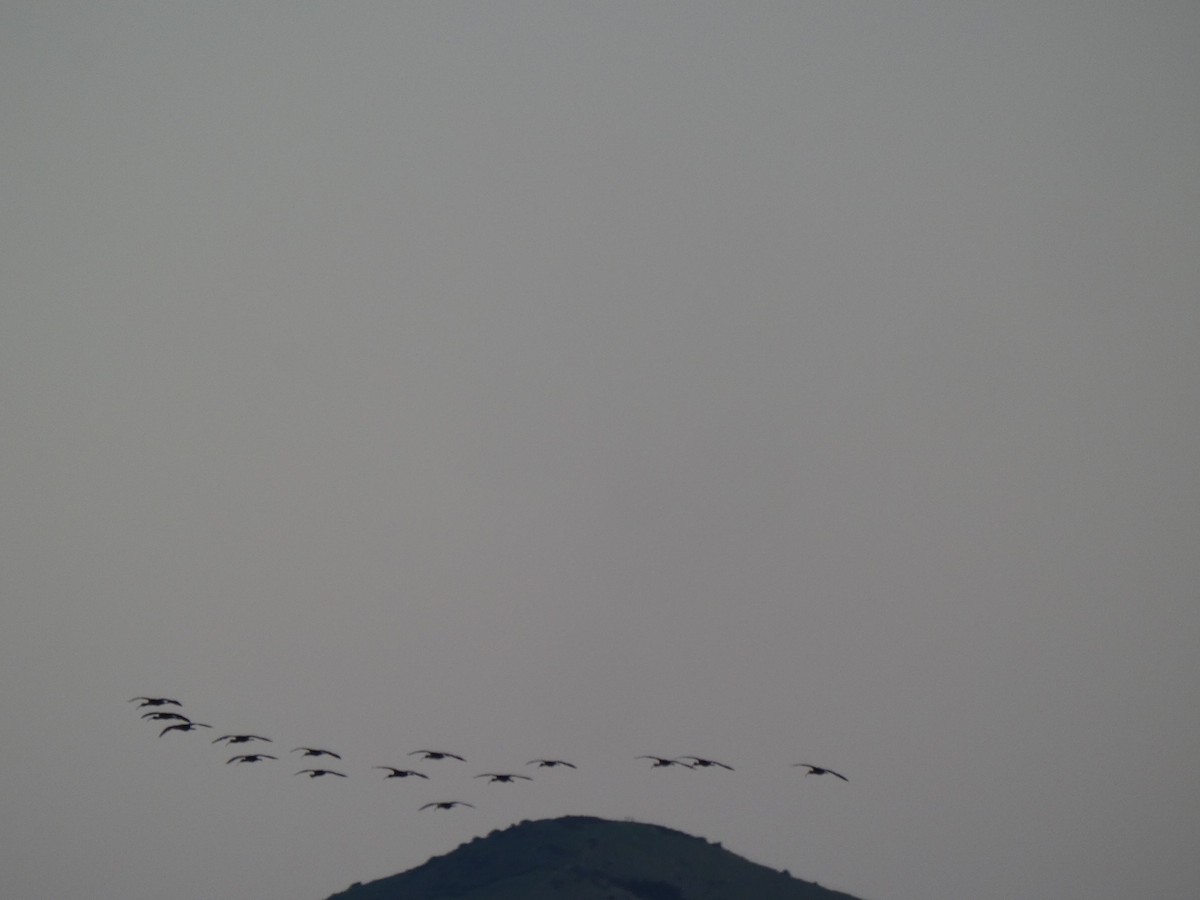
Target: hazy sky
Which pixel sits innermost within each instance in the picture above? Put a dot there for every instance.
(775, 382)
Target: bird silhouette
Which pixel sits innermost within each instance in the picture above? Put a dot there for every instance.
(250, 757)
(240, 738)
(502, 777)
(184, 726)
(400, 773)
(447, 804)
(819, 770)
(550, 763)
(154, 701)
(661, 762)
(316, 751)
(702, 763)
(165, 717)
(317, 773)
(436, 754)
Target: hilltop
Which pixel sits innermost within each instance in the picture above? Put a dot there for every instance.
(586, 858)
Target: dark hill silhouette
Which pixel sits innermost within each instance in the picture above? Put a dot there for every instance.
(585, 858)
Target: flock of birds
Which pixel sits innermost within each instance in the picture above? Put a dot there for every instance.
(154, 711)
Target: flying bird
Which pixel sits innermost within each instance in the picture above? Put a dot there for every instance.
(818, 770)
(550, 763)
(240, 738)
(316, 751)
(250, 757)
(400, 773)
(317, 773)
(436, 754)
(154, 701)
(165, 717)
(661, 762)
(502, 777)
(702, 763)
(184, 726)
(447, 804)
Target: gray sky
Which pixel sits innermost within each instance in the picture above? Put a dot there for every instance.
(774, 382)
